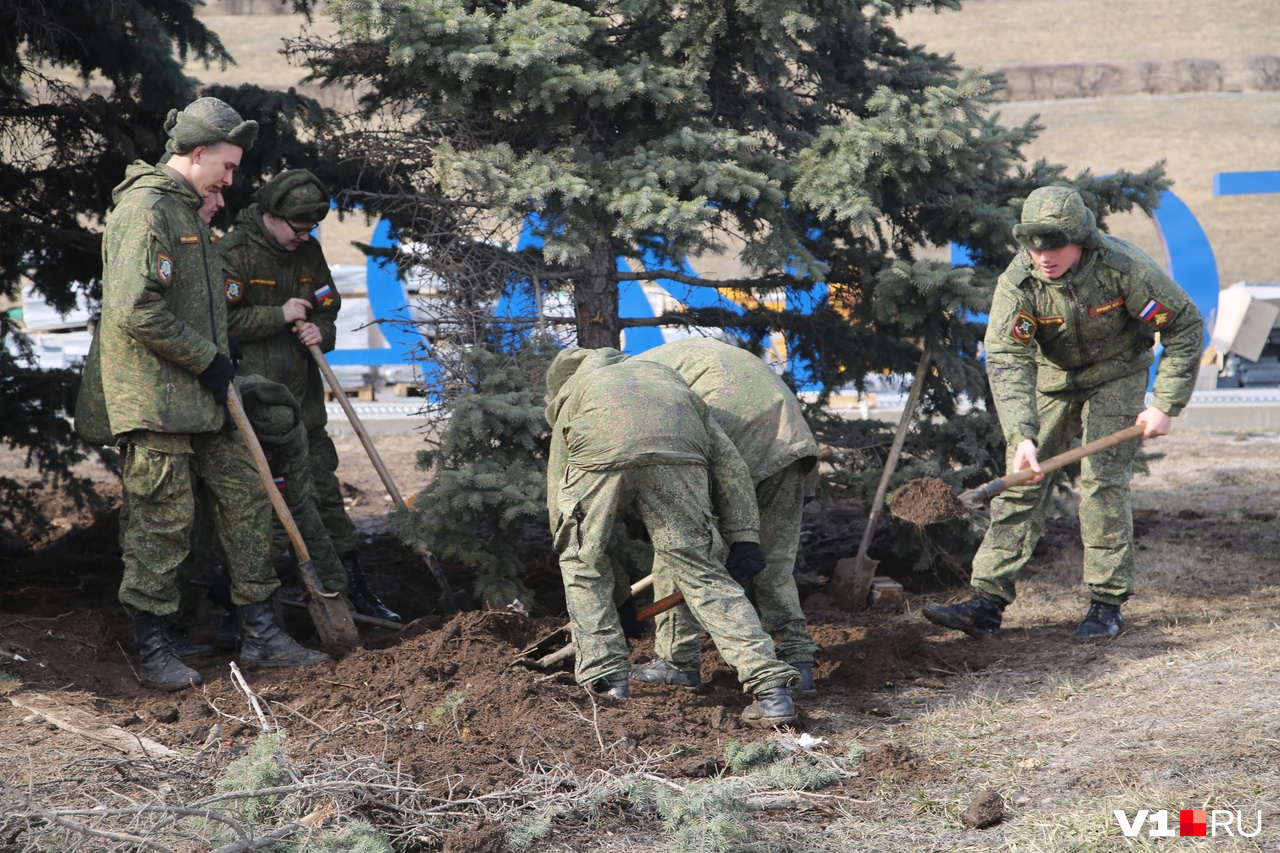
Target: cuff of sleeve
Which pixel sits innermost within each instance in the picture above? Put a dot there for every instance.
(1170, 409)
(205, 362)
(1019, 437)
(733, 537)
(280, 318)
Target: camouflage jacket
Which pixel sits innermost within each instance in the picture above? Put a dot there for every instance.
(1087, 328)
(613, 412)
(749, 401)
(163, 316)
(259, 278)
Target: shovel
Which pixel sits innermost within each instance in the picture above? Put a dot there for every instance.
(851, 581)
(930, 500)
(328, 611)
(450, 603)
(975, 498)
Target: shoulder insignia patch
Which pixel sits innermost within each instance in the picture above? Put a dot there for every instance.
(265, 282)
(1106, 307)
(324, 296)
(1155, 314)
(235, 289)
(1051, 321)
(1024, 328)
(307, 280)
(164, 267)
(189, 239)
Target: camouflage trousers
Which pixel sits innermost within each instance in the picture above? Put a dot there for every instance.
(290, 464)
(773, 591)
(159, 512)
(673, 503)
(328, 491)
(1106, 518)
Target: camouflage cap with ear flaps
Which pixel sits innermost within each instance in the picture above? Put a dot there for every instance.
(207, 121)
(295, 195)
(1053, 217)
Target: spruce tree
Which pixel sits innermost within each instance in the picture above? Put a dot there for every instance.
(489, 470)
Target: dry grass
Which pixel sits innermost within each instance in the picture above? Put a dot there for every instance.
(1008, 32)
(1181, 712)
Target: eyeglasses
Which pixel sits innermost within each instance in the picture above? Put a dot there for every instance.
(300, 230)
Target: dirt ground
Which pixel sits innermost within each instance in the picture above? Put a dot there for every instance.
(441, 703)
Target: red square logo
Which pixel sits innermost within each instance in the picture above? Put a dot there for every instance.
(1194, 822)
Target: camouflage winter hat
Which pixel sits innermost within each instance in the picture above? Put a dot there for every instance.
(1052, 217)
(295, 195)
(207, 121)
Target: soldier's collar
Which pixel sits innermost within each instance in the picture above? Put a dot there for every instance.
(181, 180)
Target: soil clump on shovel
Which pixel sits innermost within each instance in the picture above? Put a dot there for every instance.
(926, 501)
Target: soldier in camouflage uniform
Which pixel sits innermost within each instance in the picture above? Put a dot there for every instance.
(156, 381)
(630, 433)
(281, 300)
(1069, 347)
(762, 418)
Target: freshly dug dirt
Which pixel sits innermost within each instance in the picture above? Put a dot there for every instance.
(925, 501)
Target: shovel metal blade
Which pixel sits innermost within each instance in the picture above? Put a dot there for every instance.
(850, 584)
(332, 617)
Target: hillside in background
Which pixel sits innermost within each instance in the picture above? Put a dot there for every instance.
(1173, 80)
(1234, 126)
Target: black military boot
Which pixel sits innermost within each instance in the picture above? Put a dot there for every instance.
(182, 645)
(1102, 622)
(978, 617)
(227, 637)
(773, 707)
(362, 598)
(614, 688)
(806, 686)
(658, 671)
(265, 645)
(158, 665)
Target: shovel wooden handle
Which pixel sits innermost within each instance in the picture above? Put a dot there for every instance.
(660, 606)
(264, 474)
(978, 496)
(437, 571)
(328, 611)
(341, 397)
(850, 584)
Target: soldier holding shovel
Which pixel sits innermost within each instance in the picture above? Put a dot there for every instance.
(1069, 344)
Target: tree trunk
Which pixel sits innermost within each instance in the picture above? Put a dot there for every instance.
(595, 299)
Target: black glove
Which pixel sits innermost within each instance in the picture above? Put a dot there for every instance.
(217, 376)
(627, 612)
(237, 354)
(746, 560)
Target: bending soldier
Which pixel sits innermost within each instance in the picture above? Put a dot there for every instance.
(281, 300)
(1069, 347)
(630, 433)
(156, 381)
(762, 417)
